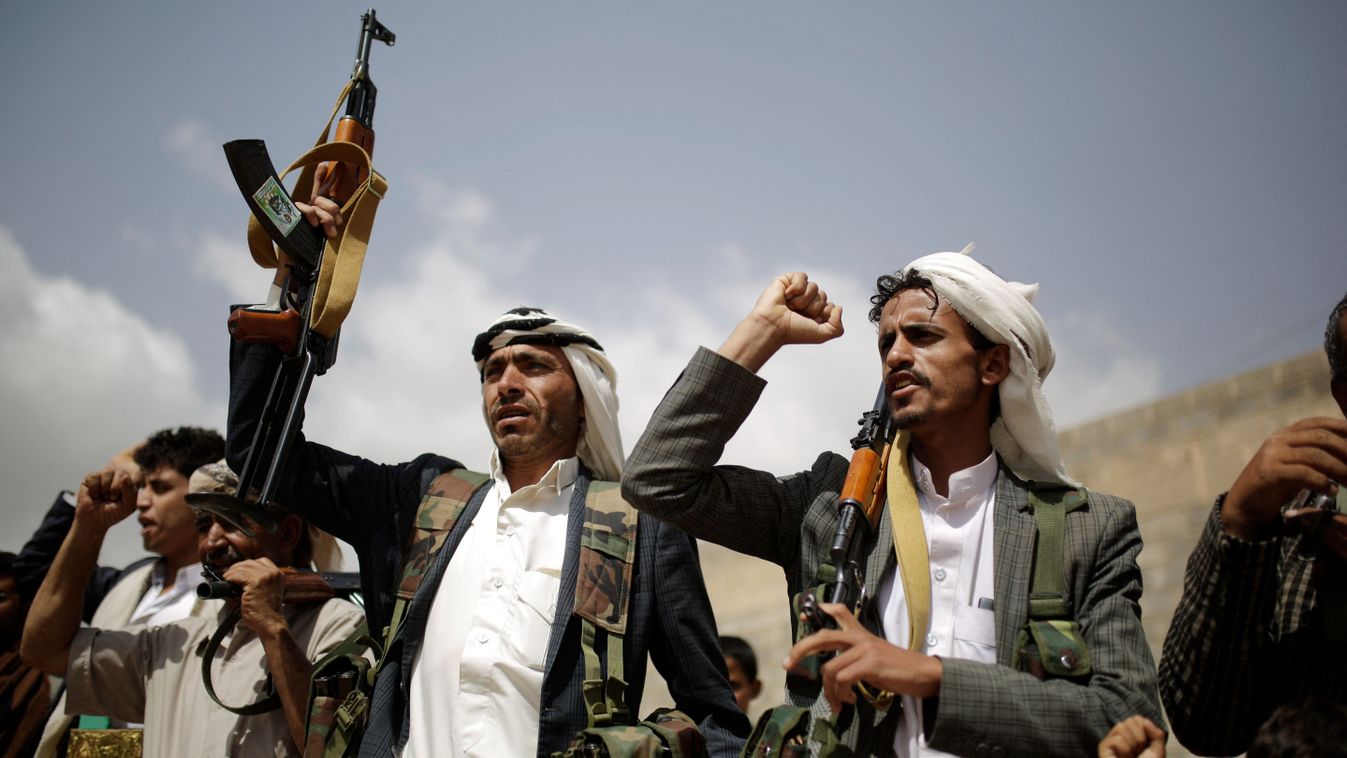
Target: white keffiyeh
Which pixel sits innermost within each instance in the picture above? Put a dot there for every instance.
(1002, 311)
(600, 445)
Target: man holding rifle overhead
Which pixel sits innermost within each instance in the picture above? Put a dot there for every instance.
(960, 660)
(488, 580)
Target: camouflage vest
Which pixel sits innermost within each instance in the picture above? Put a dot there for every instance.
(602, 597)
(602, 588)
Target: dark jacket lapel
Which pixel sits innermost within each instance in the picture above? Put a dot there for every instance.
(570, 568)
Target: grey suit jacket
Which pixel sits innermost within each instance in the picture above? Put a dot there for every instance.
(982, 708)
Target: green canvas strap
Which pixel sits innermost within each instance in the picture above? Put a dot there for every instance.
(444, 502)
(605, 697)
(602, 598)
(1047, 598)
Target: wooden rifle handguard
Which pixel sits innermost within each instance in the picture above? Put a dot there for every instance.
(266, 327)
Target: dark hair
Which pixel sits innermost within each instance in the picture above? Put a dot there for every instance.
(1310, 728)
(742, 653)
(7, 563)
(184, 449)
(1333, 347)
(888, 286)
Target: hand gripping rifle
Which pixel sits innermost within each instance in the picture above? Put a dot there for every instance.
(316, 277)
(301, 587)
(860, 505)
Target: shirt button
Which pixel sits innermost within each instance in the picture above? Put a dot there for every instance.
(482, 638)
(497, 582)
(931, 639)
(940, 575)
(509, 531)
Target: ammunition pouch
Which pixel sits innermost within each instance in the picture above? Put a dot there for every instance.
(1051, 645)
(665, 732)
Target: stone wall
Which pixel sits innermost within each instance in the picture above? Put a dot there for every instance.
(1171, 458)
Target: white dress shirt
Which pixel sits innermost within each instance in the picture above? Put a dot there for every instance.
(963, 585)
(476, 686)
(157, 607)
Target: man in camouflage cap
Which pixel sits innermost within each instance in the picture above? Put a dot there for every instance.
(154, 674)
(490, 659)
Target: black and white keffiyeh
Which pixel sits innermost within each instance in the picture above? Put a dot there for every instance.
(601, 444)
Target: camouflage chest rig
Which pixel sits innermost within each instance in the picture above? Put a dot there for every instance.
(602, 595)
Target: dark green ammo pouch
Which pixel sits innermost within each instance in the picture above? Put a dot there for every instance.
(1051, 645)
(666, 732)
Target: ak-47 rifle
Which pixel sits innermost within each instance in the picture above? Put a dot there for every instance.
(860, 505)
(308, 300)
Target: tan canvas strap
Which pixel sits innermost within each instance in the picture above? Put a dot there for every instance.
(909, 540)
(343, 257)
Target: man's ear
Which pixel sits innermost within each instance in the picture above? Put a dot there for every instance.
(289, 531)
(995, 365)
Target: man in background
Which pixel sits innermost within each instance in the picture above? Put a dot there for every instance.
(1263, 616)
(155, 590)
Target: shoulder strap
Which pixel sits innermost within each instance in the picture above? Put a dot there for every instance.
(442, 505)
(602, 598)
(1047, 599)
(268, 702)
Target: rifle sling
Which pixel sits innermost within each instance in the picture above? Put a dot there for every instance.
(269, 702)
(343, 258)
(909, 541)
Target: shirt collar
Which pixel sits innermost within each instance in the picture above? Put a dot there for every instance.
(188, 577)
(964, 485)
(561, 475)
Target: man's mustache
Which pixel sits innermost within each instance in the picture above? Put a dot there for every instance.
(904, 374)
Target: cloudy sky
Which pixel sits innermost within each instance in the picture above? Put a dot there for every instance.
(1173, 174)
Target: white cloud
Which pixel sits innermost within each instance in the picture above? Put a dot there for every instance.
(1098, 370)
(404, 382)
(191, 141)
(84, 377)
(226, 262)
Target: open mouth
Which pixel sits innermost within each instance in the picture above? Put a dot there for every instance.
(903, 383)
(507, 414)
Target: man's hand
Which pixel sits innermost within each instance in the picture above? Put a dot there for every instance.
(322, 210)
(105, 498)
(1136, 737)
(791, 311)
(126, 461)
(1309, 454)
(263, 592)
(863, 657)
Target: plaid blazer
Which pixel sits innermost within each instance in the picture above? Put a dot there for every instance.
(372, 507)
(1247, 637)
(982, 708)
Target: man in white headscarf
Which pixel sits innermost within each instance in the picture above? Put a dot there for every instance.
(494, 651)
(963, 356)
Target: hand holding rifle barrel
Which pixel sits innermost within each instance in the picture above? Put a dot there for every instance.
(316, 271)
